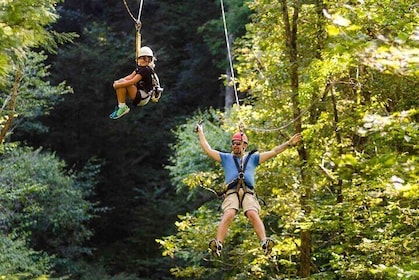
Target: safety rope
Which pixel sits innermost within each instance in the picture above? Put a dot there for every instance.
(241, 124)
(229, 52)
(242, 127)
(137, 22)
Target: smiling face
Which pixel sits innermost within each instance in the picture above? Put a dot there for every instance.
(239, 142)
(238, 147)
(144, 60)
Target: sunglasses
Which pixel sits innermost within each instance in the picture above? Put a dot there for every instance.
(236, 143)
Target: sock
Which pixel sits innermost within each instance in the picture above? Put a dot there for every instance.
(121, 105)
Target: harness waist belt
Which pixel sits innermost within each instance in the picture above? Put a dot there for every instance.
(233, 185)
(231, 191)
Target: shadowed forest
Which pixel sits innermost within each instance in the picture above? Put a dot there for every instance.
(83, 196)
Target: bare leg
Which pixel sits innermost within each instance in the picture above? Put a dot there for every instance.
(257, 223)
(225, 224)
(132, 92)
(121, 94)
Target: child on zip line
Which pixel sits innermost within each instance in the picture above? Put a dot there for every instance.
(141, 85)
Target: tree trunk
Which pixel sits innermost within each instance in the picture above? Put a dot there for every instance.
(291, 46)
(11, 105)
(337, 188)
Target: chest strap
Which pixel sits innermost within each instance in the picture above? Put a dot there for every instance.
(240, 170)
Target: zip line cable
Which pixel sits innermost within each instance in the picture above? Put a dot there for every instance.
(241, 124)
(229, 52)
(140, 8)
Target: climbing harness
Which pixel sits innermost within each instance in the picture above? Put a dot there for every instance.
(143, 97)
(154, 94)
(237, 184)
(157, 90)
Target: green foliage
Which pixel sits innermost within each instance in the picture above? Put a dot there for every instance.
(360, 131)
(36, 95)
(103, 53)
(134, 187)
(359, 114)
(237, 15)
(175, 32)
(19, 261)
(378, 218)
(189, 248)
(376, 34)
(23, 25)
(187, 159)
(242, 257)
(99, 272)
(45, 207)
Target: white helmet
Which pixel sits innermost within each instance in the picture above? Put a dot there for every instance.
(146, 51)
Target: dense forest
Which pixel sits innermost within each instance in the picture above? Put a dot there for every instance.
(86, 197)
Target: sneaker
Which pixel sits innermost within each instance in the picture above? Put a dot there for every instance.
(215, 247)
(267, 246)
(119, 112)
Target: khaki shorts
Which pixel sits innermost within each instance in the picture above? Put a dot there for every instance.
(249, 201)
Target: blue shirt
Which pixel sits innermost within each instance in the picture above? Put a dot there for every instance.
(231, 172)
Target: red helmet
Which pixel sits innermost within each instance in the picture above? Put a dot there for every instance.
(239, 136)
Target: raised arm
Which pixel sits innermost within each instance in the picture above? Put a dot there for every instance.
(280, 148)
(214, 154)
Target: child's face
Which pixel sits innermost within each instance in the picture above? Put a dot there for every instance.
(144, 60)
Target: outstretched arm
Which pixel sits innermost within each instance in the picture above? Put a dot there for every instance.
(214, 154)
(280, 148)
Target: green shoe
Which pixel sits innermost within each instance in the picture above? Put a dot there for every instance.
(119, 112)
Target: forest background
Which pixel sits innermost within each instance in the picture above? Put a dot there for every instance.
(85, 197)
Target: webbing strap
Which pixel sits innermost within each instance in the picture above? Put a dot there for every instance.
(242, 168)
(245, 191)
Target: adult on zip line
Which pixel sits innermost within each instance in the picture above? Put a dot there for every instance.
(239, 174)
